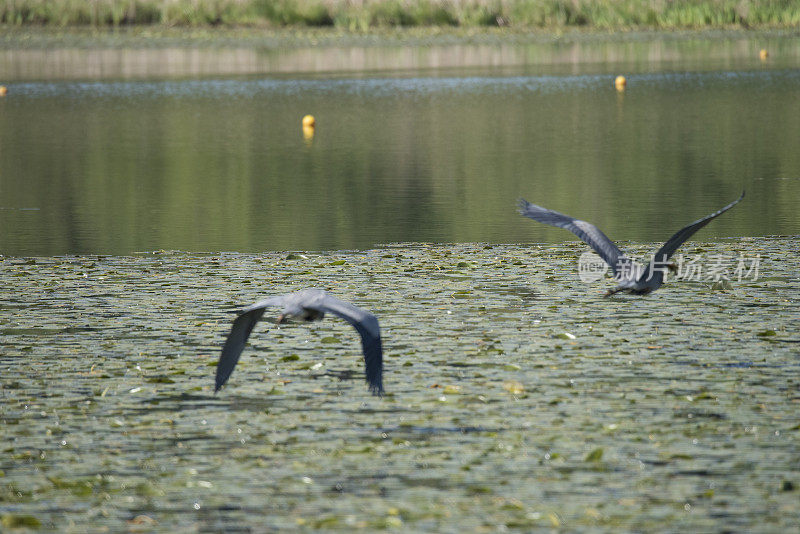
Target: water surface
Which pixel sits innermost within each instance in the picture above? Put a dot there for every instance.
(436, 155)
(517, 397)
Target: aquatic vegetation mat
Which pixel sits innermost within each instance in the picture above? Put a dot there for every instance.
(517, 397)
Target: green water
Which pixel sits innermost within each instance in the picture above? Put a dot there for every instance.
(675, 411)
(517, 397)
(403, 151)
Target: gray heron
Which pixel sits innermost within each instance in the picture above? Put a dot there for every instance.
(307, 305)
(630, 276)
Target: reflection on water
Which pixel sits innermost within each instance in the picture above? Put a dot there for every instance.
(222, 164)
(568, 55)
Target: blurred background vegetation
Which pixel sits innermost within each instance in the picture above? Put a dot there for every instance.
(357, 15)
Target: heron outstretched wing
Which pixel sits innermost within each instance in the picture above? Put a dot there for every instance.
(589, 233)
(680, 237)
(240, 331)
(367, 325)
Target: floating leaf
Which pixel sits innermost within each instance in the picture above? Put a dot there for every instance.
(19, 521)
(594, 513)
(160, 380)
(142, 520)
(594, 456)
(148, 489)
(393, 521)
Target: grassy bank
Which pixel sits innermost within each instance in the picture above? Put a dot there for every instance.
(366, 14)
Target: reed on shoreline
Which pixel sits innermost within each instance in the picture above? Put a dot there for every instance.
(362, 15)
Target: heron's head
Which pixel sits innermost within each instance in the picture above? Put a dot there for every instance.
(313, 315)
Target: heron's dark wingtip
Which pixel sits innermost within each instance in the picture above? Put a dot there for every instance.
(221, 378)
(732, 204)
(218, 381)
(375, 382)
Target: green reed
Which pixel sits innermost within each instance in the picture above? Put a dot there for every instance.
(366, 14)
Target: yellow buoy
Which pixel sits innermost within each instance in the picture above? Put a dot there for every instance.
(308, 132)
(763, 54)
(3, 90)
(620, 83)
(308, 121)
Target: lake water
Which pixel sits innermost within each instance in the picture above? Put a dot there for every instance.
(125, 160)
(517, 398)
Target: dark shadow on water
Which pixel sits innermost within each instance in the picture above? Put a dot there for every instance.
(409, 431)
(180, 402)
(44, 331)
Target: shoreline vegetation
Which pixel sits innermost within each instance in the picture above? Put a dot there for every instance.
(367, 15)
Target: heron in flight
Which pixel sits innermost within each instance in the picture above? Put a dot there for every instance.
(630, 276)
(307, 305)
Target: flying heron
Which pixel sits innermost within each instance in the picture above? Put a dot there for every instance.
(630, 276)
(307, 305)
